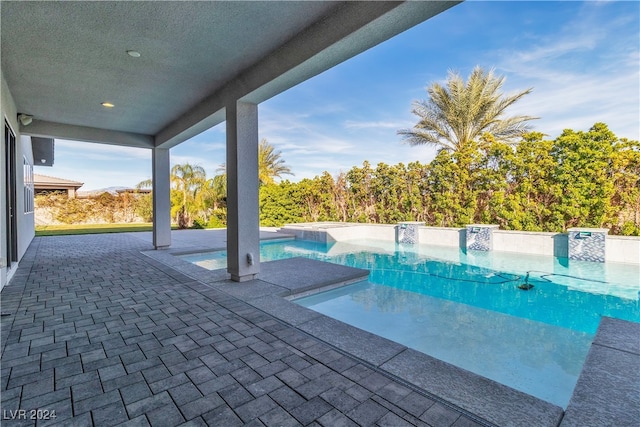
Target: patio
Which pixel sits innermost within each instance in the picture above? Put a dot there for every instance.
(103, 330)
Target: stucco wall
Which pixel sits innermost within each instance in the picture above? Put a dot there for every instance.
(622, 249)
(25, 222)
(8, 113)
(528, 242)
(443, 236)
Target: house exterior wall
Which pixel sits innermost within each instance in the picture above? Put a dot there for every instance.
(25, 221)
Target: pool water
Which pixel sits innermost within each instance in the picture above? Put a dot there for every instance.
(467, 309)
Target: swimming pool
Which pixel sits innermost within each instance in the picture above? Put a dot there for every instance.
(467, 308)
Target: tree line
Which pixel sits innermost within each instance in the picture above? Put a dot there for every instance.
(580, 179)
(490, 168)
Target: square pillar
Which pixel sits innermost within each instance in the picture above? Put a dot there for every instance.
(587, 244)
(161, 191)
(243, 221)
(480, 236)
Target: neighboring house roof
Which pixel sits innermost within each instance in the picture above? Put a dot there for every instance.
(44, 182)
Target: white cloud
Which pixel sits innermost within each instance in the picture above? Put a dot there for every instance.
(587, 72)
(353, 124)
(584, 101)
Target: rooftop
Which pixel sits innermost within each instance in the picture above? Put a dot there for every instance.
(46, 181)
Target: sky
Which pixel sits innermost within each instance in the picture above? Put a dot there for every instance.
(581, 59)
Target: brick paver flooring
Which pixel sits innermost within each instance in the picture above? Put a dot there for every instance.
(97, 334)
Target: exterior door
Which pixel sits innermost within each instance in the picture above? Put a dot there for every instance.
(10, 193)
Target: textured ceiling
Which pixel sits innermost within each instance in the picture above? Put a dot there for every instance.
(61, 60)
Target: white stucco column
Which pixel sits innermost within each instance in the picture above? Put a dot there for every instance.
(243, 222)
(161, 198)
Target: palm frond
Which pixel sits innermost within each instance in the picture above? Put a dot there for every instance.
(461, 112)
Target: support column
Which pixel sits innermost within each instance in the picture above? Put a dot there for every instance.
(161, 198)
(243, 222)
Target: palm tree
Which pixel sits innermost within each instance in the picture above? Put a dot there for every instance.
(270, 164)
(460, 113)
(186, 182)
(214, 191)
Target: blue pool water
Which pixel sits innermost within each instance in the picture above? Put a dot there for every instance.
(467, 309)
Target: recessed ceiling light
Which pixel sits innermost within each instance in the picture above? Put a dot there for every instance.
(108, 105)
(133, 53)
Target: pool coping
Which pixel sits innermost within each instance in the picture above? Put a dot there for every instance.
(608, 389)
(485, 400)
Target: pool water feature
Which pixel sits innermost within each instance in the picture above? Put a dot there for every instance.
(467, 308)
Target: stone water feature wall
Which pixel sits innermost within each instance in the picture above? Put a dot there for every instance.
(408, 232)
(587, 244)
(480, 237)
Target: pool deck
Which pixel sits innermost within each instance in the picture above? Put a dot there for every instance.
(104, 330)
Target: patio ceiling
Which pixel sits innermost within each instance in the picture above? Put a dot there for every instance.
(61, 60)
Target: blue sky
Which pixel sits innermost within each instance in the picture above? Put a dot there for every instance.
(582, 60)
